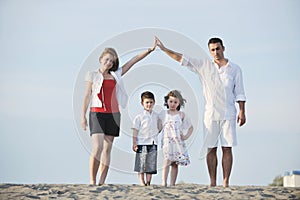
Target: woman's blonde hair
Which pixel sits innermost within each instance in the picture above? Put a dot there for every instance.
(112, 52)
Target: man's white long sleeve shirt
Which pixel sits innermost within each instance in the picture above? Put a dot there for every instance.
(222, 87)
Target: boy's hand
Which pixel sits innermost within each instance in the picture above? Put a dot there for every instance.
(134, 148)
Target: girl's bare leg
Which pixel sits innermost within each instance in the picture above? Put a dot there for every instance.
(165, 172)
(174, 173)
(105, 157)
(97, 146)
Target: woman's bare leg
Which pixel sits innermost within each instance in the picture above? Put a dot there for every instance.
(97, 146)
(105, 157)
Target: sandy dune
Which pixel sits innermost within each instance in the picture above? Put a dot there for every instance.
(118, 191)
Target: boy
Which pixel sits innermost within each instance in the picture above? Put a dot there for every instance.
(145, 131)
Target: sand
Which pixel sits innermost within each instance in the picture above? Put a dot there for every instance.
(132, 192)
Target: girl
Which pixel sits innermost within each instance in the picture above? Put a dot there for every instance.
(105, 91)
(174, 122)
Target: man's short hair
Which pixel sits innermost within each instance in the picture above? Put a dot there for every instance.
(215, 40)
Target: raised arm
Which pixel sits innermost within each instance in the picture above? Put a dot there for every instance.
(126, 67)
(173, 54)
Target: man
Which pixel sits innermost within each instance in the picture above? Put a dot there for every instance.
(222, 84)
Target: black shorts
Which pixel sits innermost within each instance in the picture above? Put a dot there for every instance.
(146, 159)
(107, 123)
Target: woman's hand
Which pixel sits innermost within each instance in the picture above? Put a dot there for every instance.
(84, 123)
(127, 66)
(154, 45)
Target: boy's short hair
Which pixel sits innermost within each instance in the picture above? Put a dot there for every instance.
(147, 95)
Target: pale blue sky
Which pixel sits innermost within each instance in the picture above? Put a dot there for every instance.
(45, 43)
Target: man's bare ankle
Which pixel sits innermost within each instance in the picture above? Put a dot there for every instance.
(213, 185)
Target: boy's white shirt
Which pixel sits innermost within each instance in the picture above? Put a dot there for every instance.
(146, 124)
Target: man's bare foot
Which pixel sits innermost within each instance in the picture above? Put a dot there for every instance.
(213, 184)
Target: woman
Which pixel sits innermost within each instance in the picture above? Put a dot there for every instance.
(104, 93)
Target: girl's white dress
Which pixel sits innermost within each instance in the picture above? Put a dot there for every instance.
(174, 148)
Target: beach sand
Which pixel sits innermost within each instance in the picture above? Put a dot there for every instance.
(132, 192)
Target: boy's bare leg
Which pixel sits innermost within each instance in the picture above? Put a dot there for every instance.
(148, 177)
(142, 179)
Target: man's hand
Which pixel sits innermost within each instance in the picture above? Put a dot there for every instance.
(241, 120)
(159, 43)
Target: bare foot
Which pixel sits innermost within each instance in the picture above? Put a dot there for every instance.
(213, 185)
(92, 182)
(225, 183)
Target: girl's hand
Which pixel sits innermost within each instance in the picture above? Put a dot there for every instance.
(183, 137)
